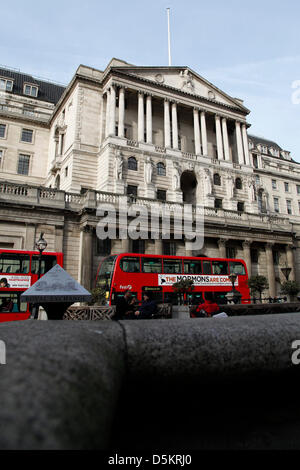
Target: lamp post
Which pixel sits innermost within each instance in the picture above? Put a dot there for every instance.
(234, 295)
(41, 245)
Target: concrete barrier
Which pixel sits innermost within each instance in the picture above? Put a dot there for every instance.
(157, 384)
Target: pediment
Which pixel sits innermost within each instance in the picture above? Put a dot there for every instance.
(186, 80)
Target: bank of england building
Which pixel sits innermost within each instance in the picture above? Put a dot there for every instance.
(152, 135)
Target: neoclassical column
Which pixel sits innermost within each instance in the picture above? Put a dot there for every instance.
(204, 133)
(125, 245)
(197, 132)
(219, 138)
(107, 116)
(239, 143)
(121, 112)
(86, 255)
(290, 262)
(245, 144)
(112, 114)
(270, 269)
(174, 126)
(167, 128)
(247, 255)
(141, 124)
(159, 247)
(225, 139)
(149, 119)
(222, 247)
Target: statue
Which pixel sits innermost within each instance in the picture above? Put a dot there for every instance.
(176, 177)
(187, 79)
(148, 170)
(207, 182)
(119, 166)
(251, 190)
(230, 186)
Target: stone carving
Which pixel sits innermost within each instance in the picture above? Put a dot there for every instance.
(119, 165)
(187, 80)
(176, 176)
(230, 186)
(251, 189)
(207, 182)
(149, 166)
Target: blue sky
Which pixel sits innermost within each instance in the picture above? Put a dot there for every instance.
(248, 49)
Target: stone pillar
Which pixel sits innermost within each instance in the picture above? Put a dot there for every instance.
(204, 134)
(125, 245)
(290, 262)
(167, 128)
(245, 144)
(112, 105)
(174, 126)
(121, 112)
(270, 269)
(159, 247)
(239, 143)
(30, 237)
(107, 113)
(59, 239)
(86, 256)
(225, 139)
(222, 247)
(141, 124)
(188, 250)
(219, 138)
(197, 132)
(149, 119)
(247, 256)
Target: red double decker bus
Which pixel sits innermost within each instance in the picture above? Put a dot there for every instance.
(18, 271)
(156, 274)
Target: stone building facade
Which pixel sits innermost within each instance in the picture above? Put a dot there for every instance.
(161, 135)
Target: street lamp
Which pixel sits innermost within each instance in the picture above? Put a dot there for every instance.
(234, 295)
(41, 245)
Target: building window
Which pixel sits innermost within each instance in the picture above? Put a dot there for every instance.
(103, 247)
(169, 248)
(132, 164)
(230, 252)
(161, 169)
(28, 110)
(257, 180)
(66, 171)
(238, 183)
(6, 85)
(240, 207)
(276, 257)
(132, 190)
(138, 246)
(161, 194)
(299, 206)
(217, 179)
(1, 158)
(298, 189)
(276, 204)
(286, 187)
(218, 203)
(289, 206)
(255, 161)
(26, 135)
(23, 164)
(254, 255)
(2, 131)
(31, 90)
(274, 184)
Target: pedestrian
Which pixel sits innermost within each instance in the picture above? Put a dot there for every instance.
(207, 309)
(123, 307)
(148, 308)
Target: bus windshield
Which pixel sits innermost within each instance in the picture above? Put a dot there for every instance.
(105, 273)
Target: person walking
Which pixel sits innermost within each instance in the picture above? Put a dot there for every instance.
(123, 307)
(207, 309)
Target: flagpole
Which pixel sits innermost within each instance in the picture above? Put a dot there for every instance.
(169, 37)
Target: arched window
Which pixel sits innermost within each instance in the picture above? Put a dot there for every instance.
(132, 164)
(238, 183)
(217, 179)
(161, 169)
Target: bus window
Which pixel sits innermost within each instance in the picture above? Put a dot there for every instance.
(14, 263)
(117, 295)
(195, 298)
(219, 267)
(172, 298)
(47, 262)
(154, 291)
(192, 267)
(10, 302)
(206, 267)
(151, 265)
(172, 266)
(105, 273)
(237, 268)
(220, 298)
(130, 264)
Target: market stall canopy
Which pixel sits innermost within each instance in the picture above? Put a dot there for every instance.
(56, 286)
